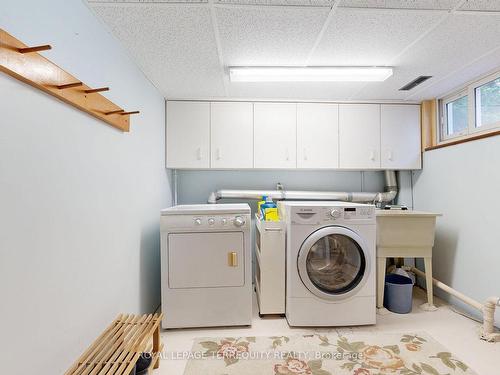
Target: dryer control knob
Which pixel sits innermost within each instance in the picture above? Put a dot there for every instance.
(239, 221)
(197, 221)
(335, 213)
(211, 221)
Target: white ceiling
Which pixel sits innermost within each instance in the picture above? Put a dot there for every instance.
(185, 46)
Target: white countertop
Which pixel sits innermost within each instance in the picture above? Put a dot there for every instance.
(405, 213)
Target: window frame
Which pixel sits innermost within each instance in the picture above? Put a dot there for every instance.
(444, 136)
(472, 93)
(469, 90)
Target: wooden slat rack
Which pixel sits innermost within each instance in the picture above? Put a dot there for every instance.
(26, 64)
(117, 349)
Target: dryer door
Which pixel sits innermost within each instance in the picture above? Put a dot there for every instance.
(333, 263)
(206, 260)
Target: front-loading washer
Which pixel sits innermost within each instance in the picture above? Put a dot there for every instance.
(206, 275)
(330, 265)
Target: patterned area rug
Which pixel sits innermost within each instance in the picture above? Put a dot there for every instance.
(329, 354)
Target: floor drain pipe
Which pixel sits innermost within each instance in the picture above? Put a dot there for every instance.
(487, 309)
(489, 319)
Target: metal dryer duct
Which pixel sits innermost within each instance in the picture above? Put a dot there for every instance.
(391, 190)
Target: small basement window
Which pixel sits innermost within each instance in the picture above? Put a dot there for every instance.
(488, 104)
(455, 116)
(471, 113)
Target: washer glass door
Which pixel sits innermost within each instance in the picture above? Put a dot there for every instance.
(332, 263)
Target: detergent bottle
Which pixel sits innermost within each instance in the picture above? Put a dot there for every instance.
(269, 210)
(259, 206)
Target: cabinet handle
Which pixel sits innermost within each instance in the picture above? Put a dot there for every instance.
(232, 259)
(198, 153)
(372, 155)
(305, 153)
(389, 155)
(217, 153)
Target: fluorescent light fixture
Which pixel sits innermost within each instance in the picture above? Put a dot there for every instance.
(309, 74)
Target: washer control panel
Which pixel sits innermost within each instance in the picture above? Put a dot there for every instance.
(359, 212)
(332, 214)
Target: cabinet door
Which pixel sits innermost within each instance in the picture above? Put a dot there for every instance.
(359, 135)
(188, 134)
(400, 126)
(231, 135)
(317, 135)
(275, 135)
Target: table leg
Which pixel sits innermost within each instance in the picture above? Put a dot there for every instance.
(429, 306)
(381, 264)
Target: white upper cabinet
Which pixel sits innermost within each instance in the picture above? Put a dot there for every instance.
(359, 135)
(317, 135)
(400, 138)
(231, 135)
(244, 135)
(188, 134)
(275, 135)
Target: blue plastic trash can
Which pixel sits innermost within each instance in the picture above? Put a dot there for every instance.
(398, 293)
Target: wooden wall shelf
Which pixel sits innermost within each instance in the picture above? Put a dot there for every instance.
(26, 64)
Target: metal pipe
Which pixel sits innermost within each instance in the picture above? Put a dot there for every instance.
(487, 309)
(175, 183)
(391, 190)
(391, 187)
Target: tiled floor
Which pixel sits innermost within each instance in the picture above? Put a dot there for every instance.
(457, 333)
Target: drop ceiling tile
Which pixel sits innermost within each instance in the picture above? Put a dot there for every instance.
(456, 43)
(482, 5)
(457, 79)
(268, 35)
(401, 4)
(459, 42)
(174, 45)
(389, 89)
(364, 37)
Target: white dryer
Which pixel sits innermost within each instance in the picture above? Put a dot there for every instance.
(330, 263)
(206, 276)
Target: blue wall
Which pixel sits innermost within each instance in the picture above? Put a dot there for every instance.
(195, 186)
(79, 200)
(463, 183)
